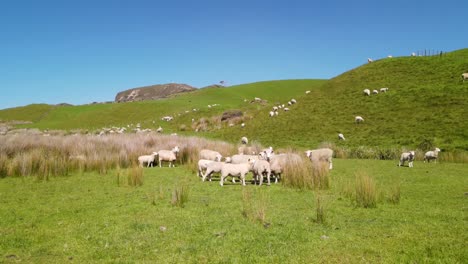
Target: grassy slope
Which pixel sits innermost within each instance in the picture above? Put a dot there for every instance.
(89, 218)
(427, 102)
(33, 112)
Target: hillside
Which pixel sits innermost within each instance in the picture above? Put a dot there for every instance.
(152, 92)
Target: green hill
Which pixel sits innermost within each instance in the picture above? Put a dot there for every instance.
(426, 105)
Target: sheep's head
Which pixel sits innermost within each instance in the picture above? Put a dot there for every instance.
(437, 150)
(228, 159)
(218, 158)
(176, 149)
(308, 153)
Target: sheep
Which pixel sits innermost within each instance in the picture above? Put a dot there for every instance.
(159, 130)
(413, 54)
(276, 113)
(213, 166)
(246, 150)
(210, 155)
(168, 155)
(256, 99)
(384, 90)
(148, 159)
(323, 154)
(244, 140)
(293, 101)
(389, 56)
(369, 60)
(241, 158)
(307, 92)
(235, 170)
(278, 162)
(359, 119)
(275, 108)
(166, 118)
(286, 109)
(341, 137)
(202, 165)
(366, 92)
(290, 103)
(243, 125)
(431, 155)
(464, 76)
(266, 154)
(260, 168)
(407, 156)
(375, 92)
(271, 114)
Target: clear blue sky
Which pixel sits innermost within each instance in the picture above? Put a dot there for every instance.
(84, 51)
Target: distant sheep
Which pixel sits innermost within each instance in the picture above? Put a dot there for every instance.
(341, 137)
(375, 91)
(369, 60)
(234, 170)
(307, 92)
(168, 155)
(271, 114)
(431, 155)
(407, 156)
(165, 118)
(159, 130)
(384, 90)
(464, 76)
(275, 108)
(286, 109)
(413, 54)
(389, 56)
(366, 92)
(257, 99)
(323, 154)
(293, 101)
(210, 155)
(243, 125)
(244, 140)
(148, 159)
(359, 119)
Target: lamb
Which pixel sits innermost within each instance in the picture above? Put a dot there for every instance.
(202, 165)
(359, 119)
(341, 137)
(148, 159)
(375, 92)
(210, 155)
(407, 156)
(244, 140)
(260, 168)
(366, 92)
(213, 166)
(431, 155)
(168, 155)
(323, 154)
(464, 76)
(384, 90)
(235, 170)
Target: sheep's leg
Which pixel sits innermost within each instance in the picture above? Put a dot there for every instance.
(222, 180)
(242, 178)
(268, 177)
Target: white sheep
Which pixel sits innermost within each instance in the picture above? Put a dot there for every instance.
(389, 56)
(212, 167)
(246, 150)
(148, 159)
(341, 137)
(256, 99)
(260, 168)
(234, 170)
(369, 60)
(384, 90)
(359, 119)
(243, 125)
(271, 114)
(464, 76)
(210, 155)
(275, 108)
(276, 113)
(407, 156)
(202, 165)
(159, 130)
(168, 155)
(307, 92)
(366, 92)
(290, 103)
(375, 92)
(323, 154)
(279, 161)
(242, 158)
(286, 109)
(413, 54)
(244, 140)
(293, 101)
(431, 155)
(166, 118)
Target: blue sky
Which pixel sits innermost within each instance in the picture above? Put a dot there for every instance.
(83, 51)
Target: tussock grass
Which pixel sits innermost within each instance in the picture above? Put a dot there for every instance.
(366, 191)
(135, 176)
(320, 211)
(299, 172)
(180, 195)
(254, 205)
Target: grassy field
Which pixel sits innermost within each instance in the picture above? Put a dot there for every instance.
(101, 218)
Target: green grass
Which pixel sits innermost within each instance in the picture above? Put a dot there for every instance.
(93, 218)
(31, 113)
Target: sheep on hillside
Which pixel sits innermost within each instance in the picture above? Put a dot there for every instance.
(244, 140)
(210, 155)
(148, 159)
(293, 101)
(168, 155)
(260, 168)
(407, 156)
(271, 113)
(359, 119)
(431, 155)
(464, 76)
(307, 92)
(375, 92)
(234, 170)
(384, 90)
(369, 60)
(341, 137)
(323, 154)
(366, 92)
(159, 130)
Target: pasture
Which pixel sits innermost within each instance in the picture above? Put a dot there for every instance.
(91, 217)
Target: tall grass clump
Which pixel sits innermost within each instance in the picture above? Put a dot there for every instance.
(254, 206)
(135, 176)
(394, 193)
(320, 211)
(180, 195)
(366, 191)
(299, 172)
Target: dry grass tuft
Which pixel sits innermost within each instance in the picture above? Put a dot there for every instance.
(366, 191)
(180, 195)
(299, 172)
(135, 176)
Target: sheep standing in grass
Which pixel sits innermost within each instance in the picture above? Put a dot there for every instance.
(260, 168)
(271, 114)
(212, 167)
(384, 90)
(431, 155)
(159, 130)
(323, 154)
(407, 156)
(203, 165)
(234, 170)
(359, 119)
(244, 140)
(148, 159)
(307, 92)
(375, 92)
(464, 76)
(366, 92)
(341, 137)
(210, 155)
(279, 161)
(168, 155)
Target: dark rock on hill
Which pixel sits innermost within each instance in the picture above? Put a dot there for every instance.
(152, 92)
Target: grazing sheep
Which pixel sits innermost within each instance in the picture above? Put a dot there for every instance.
(464, 76)
(293, 101)
(407, 156)
(260, 168)
(202, 165)
(290, 103)
(323, 154)
(389, 56)
(384, 90)
(272, 113)
(159, 130)
(256, 99)
(431, 155)
(366, 92)
(341, 137)
(307, 92)
(148, 159)
(165, 118)
(369, 60)
(234, 170)
(275, 108)
(241, 158)
(413, 54)
(286, 109)
(168, 155)
(276, 113)
(375, 92)
(243, 125)
(244, 140)
(210, 155)
(359, 119)
(213, 166)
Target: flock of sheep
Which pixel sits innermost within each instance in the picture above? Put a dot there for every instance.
(266, 164)
(409, 157)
